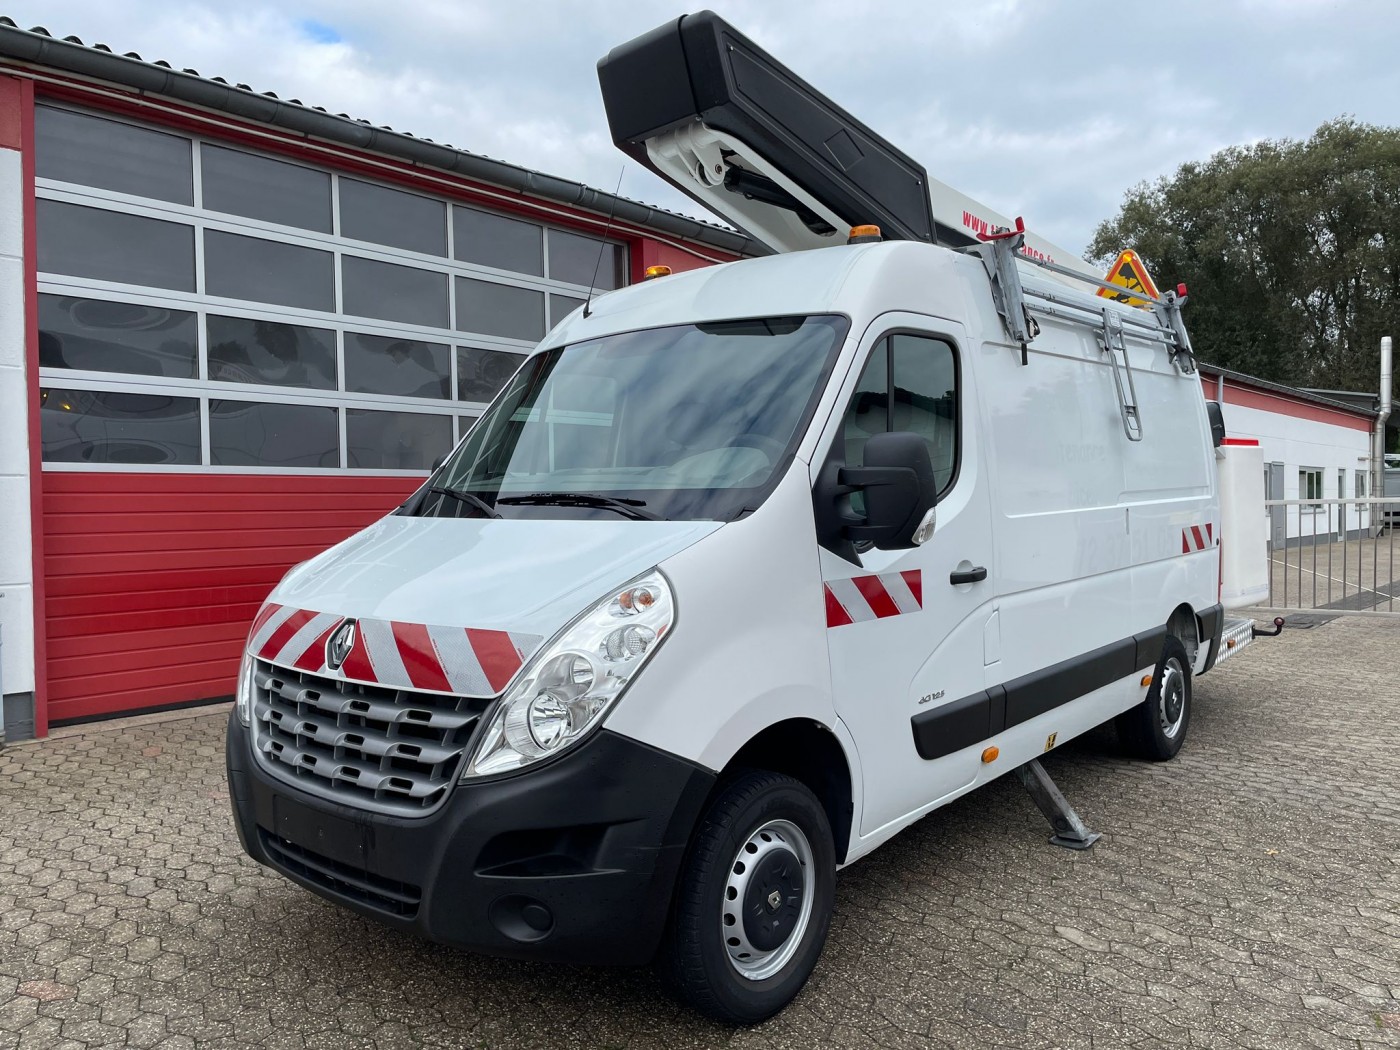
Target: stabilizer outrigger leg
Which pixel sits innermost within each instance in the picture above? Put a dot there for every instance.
(1070, 831)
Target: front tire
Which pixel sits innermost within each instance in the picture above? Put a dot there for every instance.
(754, 900)
(1156, 728)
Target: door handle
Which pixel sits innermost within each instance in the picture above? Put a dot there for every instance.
(976, 575)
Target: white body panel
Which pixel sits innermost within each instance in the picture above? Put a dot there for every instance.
(16, 561)
(1080, 530)
(1244, 553)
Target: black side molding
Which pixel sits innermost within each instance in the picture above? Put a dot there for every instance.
(975, 718)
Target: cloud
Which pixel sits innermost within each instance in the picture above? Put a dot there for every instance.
(1049, 110)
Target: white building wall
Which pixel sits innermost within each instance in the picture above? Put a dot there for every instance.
(1299, 443)
(16, 552)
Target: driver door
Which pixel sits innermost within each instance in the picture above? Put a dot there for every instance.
(904, 638)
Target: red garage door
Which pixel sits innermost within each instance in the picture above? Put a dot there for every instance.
(152, 579)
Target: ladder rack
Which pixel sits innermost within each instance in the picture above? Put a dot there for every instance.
(1017, 305)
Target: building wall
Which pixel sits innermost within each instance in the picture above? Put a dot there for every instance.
(16, 540)
(1302, 435)
(191, 453)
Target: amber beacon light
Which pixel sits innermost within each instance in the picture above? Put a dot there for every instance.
(864, 235)
(656, 271)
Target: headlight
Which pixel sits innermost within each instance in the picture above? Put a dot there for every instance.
(570, 684)
(243, 697)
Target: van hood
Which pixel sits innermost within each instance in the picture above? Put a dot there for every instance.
(452, 605)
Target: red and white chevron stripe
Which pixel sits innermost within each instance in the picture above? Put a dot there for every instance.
(859, 598)
(1197, 538)
(463, 661)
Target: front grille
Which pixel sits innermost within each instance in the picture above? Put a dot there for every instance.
(388, 895)
(391, 750)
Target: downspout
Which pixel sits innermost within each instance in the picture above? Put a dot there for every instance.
(1378, 438)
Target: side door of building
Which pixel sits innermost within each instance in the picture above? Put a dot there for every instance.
(905, 628)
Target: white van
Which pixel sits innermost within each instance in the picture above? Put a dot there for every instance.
(745, 570)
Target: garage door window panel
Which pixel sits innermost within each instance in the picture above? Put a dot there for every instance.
(250, 350)
(500, 310)
(489, 239)
(101, 426)
(482, 374)
(275, 191)
(382, 215)
(575, 259)
(264, 271)
(383, 365)
(395, 440)
(394, 293)
(111, 155)
(95, 335)
(257, 434)
(102, 245)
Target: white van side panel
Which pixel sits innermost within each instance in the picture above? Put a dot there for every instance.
(1089, 523)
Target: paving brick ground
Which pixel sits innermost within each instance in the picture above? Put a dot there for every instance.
(1245, 895)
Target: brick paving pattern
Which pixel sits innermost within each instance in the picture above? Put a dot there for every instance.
(1245, 895)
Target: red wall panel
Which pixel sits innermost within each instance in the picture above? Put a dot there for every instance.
(152, 579)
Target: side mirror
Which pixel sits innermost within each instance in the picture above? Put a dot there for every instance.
(1216, 415)
(899, 488)
(439, 462)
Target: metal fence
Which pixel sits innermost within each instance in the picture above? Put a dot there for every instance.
(1334, 554)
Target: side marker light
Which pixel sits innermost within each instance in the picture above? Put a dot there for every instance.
(1146, 679)
(991, 754)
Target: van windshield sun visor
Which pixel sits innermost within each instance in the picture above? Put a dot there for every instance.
(718, 117)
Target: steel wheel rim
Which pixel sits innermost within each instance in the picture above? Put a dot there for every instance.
(1171, 698)
(767, 846)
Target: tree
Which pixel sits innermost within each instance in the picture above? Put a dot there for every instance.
(1290, 251)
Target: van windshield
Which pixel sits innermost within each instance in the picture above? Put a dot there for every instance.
(686, 422)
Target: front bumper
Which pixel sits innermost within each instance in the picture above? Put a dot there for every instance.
(574, 861)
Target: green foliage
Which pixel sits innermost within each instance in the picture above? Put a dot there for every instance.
(1290, 250)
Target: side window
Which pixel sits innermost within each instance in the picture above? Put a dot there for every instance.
(909, 383)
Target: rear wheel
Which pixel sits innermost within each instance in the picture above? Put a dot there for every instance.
(1156, 728)
(754, 900)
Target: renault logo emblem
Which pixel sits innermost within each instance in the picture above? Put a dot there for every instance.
(338, 648)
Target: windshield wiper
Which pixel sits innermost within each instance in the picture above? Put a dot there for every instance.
(468, 498)
(629, 508)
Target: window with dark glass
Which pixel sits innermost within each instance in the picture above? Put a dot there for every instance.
(265, 271)
(395, 440)
(489, 239)
(393, 293)
(245, 350)
(110, 155)
(262, 188)
(256, 434)
(482, 373)
(499, 309)
(394, 217)
(376, 364)
(102, 426)
(99, 336)
(575, 259)
(111, 246)
(561, 306)
(909, 384)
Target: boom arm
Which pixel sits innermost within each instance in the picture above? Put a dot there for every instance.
(719, 118)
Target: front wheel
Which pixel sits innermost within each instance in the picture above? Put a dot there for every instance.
(754, 900)
(1156, 728)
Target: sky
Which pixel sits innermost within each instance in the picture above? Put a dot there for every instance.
(1048, 109)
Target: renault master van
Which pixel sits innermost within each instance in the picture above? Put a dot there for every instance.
(744, 571)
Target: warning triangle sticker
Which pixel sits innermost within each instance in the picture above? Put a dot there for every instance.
(1129, 273)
